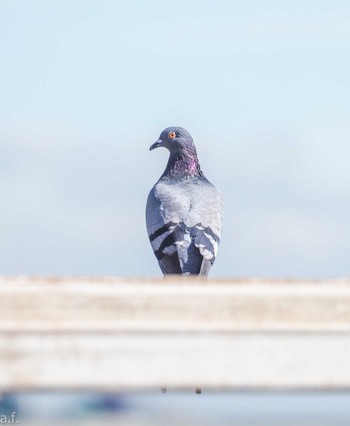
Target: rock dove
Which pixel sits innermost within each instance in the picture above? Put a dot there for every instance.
(184, 210)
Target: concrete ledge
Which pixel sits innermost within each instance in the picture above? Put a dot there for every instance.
(115, 304)
(128, 334)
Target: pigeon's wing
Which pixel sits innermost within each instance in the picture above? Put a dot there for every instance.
(164, 216)
(184, 224)
(205, 219)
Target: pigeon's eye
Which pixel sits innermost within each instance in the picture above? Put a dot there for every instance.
(172, 135)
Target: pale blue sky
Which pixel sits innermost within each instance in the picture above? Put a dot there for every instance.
(87, 86)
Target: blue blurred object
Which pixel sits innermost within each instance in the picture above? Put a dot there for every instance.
(181, 409)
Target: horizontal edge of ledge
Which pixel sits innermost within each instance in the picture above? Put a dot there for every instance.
(171, 279)
(206, 388)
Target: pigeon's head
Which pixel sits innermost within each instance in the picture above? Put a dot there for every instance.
(175, 139)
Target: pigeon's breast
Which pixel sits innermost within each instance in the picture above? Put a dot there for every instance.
(175, 201)
(190, 202)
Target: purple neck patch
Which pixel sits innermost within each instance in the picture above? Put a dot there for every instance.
(182, 164)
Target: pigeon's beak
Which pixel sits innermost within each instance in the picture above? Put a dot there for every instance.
(156, 144)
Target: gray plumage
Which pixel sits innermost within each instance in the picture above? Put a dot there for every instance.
(184, 210)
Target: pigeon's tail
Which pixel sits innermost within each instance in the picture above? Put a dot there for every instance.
(196, 265)
(205, 268)
(185, 250)
(170, 265)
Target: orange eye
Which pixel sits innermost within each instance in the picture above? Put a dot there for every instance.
(172, 135)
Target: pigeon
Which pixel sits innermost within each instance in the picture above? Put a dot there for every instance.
(184, 210)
